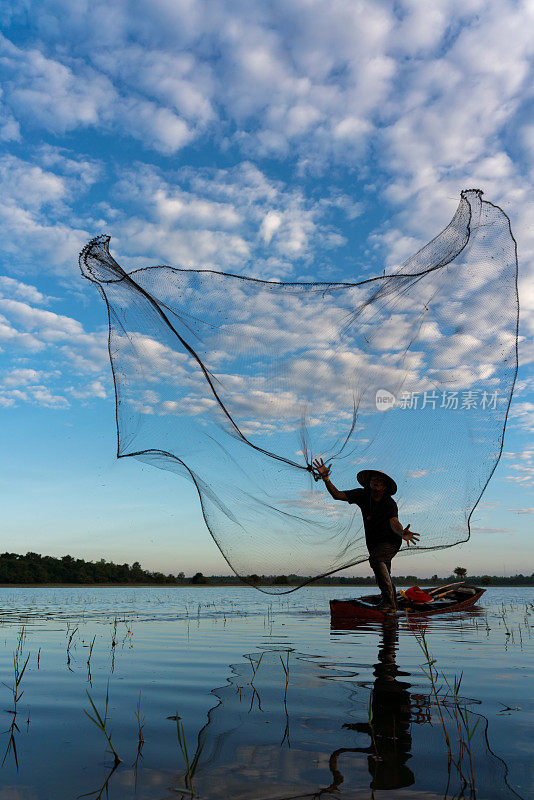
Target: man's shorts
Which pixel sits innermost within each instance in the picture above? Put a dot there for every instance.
(384, 551)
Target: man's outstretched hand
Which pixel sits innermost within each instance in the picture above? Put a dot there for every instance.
(320, 467)
(410, 537)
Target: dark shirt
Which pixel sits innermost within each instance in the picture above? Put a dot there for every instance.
(376, 516)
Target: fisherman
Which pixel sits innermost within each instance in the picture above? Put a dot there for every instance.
(384, 533)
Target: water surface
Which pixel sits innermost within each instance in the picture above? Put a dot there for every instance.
(281, 704)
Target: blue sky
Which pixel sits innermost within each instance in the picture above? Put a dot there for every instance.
(288, 141)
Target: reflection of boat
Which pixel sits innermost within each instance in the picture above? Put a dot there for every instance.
(457, 598)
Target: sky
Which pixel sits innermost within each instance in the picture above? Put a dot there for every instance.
(292, 141)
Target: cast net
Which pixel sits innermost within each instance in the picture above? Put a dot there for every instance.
(236, 384)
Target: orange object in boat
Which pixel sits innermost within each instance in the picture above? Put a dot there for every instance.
(416, 595)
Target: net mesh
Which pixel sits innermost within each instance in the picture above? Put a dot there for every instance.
(236, 384)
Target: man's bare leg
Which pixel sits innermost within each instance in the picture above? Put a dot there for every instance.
(382, 571)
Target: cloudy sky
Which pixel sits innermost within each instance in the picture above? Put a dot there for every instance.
(287, 141)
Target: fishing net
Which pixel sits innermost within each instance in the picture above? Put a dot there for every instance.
(236, 384)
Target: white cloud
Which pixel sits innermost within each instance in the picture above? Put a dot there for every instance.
(187, 248)
(454, 123)
(30, 236)
(23, 291)
(38, 226)
(47, 92)
(522, 466)
(33, 394)
(50, 327)
(93, 390)
(44, 397)
(11, 337)
(62, 96)
(9, 127)
(315, 79)
(179, 81)
(155, 126)
(43, 350)
(486, 530)
(417, 473)
(56, 339)
(29, 185)
(270, 224)
(186, 65)
(188, 210)
(522, 413)
(233, 219)
(23, 376)
(31, 240)
(433, 87)
(78, 172)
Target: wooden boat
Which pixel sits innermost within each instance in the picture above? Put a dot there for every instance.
(455, 598)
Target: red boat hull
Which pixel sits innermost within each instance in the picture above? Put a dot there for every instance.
(358, 609)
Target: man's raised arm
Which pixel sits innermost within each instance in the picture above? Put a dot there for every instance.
(324, 471)
(410, 537)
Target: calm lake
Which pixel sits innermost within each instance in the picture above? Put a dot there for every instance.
(272, 701)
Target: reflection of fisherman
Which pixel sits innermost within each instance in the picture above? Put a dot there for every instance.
(389, 726)
(383, 531)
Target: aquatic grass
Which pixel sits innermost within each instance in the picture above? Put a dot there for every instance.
(506, 709)
(101, 723)
(89, 660)
(255, 696)
(431, 672)
(190, 766)
(16, 692)
(113, 645)
(269, 620)
(98, 793)
(20, 640)
(140, 726)
(254, 668)
(69, 642)
(503, 617)
(523, 631)
(470, 730)
(285, 667)
(18, 674)
(464, 729)
(12, 745)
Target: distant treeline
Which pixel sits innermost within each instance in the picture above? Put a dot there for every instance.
(399, 580)
(33, 568)
(413, 580)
